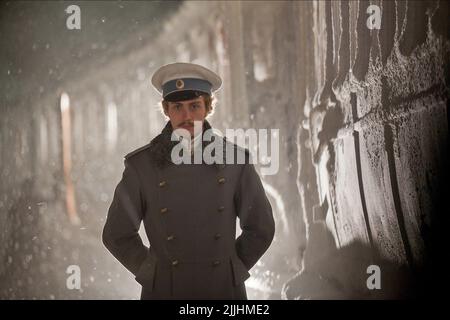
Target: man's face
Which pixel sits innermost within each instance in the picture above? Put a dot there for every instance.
(182, 114)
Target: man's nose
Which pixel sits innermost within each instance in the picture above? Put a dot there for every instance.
(186, 113)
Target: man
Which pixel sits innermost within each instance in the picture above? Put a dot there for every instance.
(189, 210)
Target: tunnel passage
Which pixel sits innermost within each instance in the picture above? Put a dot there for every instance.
(362, 113)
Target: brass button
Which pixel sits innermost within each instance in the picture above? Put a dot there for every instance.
(221, 180)
(221, 208)
(175, 263)
(216, 263)
(162, 183)
(171, 237)
(217, 236)
(164, 210)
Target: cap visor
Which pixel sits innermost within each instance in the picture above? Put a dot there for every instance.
(184, 95)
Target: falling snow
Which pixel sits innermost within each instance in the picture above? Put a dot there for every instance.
(53, 202)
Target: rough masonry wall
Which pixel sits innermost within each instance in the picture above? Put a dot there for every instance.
(378, 123)
(363, 120)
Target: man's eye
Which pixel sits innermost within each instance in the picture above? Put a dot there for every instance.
(195, 106)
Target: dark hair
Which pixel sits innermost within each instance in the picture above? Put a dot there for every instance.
(209, 103)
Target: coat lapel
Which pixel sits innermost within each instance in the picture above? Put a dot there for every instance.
(161, 146)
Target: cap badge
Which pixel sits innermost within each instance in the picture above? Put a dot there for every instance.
(179, 84)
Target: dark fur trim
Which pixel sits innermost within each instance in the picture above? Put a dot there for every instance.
(161, 146)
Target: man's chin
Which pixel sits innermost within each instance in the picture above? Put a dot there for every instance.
(189, 129)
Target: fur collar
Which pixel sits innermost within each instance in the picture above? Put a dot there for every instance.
(161, 146)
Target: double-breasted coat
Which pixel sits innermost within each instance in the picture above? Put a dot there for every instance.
(189, 214)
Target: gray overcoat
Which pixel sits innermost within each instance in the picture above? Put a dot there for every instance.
(189, 213)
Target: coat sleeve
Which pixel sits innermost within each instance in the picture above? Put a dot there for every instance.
(255, 217)
(120, 233)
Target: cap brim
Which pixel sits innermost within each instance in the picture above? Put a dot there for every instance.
(184, 70)
(184, 95)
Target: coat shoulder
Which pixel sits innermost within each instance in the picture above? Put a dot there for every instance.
(237, 149)
(137, 151)
(235, 146)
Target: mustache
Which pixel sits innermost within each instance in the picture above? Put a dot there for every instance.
(186, 123)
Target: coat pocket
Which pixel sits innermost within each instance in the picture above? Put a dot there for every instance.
(146, 274)
(240, 272)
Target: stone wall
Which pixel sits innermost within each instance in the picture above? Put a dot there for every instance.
(363, 120)
(376, 114)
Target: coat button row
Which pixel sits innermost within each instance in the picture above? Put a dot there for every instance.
(165, 210)
(163, 183)
(171, 237)
(214, 263)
